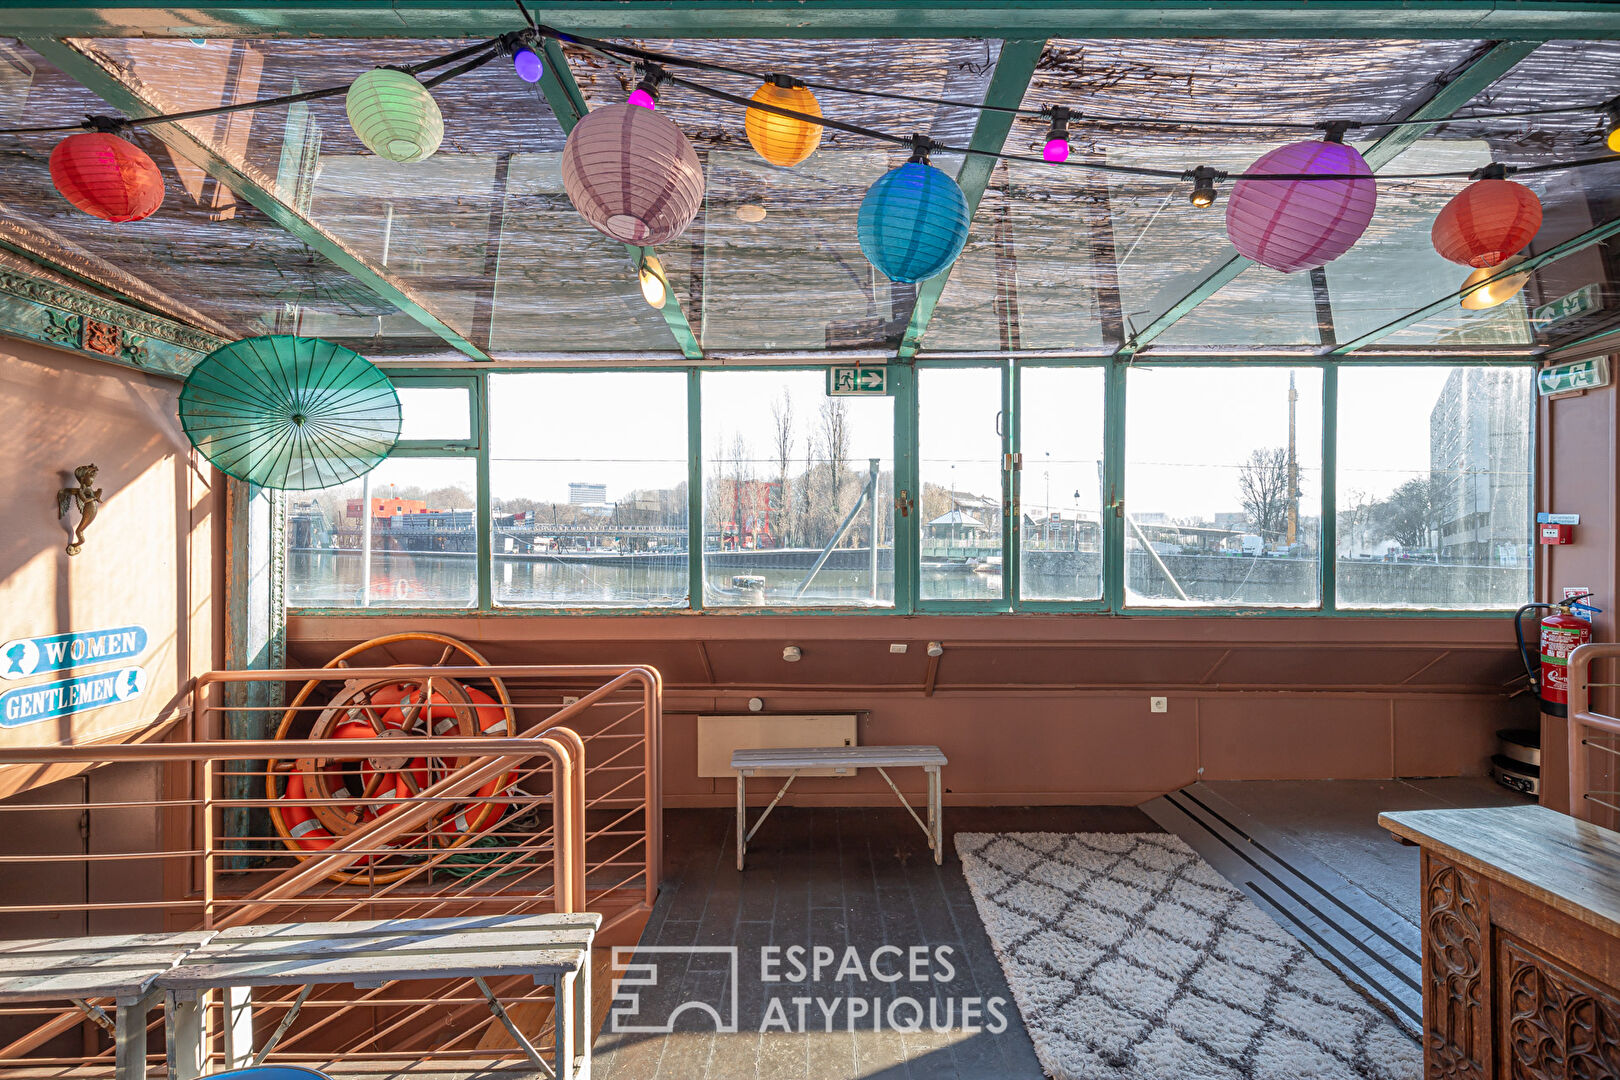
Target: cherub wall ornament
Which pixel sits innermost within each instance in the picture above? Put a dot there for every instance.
(89, 500)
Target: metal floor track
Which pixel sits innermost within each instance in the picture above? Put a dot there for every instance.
(1367, 942)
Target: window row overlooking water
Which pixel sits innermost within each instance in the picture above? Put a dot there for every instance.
(969, 486)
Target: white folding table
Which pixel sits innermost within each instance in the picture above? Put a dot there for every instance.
(795, 759)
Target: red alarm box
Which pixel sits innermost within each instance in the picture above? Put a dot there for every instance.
(1556, 534)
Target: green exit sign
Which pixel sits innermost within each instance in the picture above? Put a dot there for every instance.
(1568, 378)
(1566, 307)
(858, 380)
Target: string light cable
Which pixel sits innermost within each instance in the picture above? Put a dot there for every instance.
(652, 63)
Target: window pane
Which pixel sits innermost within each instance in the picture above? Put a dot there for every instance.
(959, 467)
(1434, 487)
(788, 476)
(1209, 518)
(439, 413)
(421, 530)
(1061, 437)
(588, 488)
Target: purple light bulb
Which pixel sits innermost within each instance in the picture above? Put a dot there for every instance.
(529, 67)
(638, 96)
(1057, 151)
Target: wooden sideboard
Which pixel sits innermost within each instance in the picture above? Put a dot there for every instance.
(1521, 943)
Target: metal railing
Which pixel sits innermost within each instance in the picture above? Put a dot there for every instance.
(562, 816)
(1594, 741)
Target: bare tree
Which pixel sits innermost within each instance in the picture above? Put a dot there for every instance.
(1263, 486)
(782, 418)
(835, 451)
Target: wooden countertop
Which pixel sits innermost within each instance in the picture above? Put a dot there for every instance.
(1573, 866)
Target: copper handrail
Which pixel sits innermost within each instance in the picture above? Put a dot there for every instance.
(562, 747)
(1581, 719)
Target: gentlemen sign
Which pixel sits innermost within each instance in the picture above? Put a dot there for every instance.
(31, 704)
(34, 656)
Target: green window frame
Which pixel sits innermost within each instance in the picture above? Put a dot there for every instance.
(903, 382)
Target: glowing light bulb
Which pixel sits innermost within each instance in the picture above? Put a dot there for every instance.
(1611, 130)
(1056, 149)
(641, 96)
(1203, 192)
(1500, 290)
(528, 64)
(654, 285)
(751, 213)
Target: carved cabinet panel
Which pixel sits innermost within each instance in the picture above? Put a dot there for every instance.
(1555, 1024)
(1456, 1023)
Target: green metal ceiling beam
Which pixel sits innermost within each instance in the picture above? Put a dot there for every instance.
(1594, 235)
(1495, 62)
(1015, 67)
(568, 104)
(102, 81)
(1500, 20)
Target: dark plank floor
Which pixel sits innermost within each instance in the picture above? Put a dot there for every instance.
(836, 879)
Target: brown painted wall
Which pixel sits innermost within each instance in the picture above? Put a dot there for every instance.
(1577, 459)
(148, 556)
(1043, 708)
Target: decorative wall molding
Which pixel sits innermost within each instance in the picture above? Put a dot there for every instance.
(54, 314)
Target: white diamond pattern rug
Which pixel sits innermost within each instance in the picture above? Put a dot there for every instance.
(1131, 958)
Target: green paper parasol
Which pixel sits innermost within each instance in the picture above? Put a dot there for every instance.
(290, 413)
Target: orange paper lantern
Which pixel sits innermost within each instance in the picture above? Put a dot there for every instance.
(1488, 221)
(782, 140)
(108, 177)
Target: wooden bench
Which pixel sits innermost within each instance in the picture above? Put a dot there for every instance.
(552, 949)
(123, 967)
(840, 759)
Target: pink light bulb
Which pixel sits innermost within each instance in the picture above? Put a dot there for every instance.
(638, 96)
(1057, 151)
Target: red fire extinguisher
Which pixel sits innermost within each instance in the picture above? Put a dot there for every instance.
(1561, 633)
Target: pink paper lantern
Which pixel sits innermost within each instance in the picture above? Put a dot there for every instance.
(632, 174)
(1293, 225)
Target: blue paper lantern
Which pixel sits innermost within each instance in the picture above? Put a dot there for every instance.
(913, 222)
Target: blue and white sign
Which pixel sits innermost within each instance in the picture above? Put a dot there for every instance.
(45, 701)
(23, 657)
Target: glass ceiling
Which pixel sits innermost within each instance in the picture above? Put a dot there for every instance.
(483, 236)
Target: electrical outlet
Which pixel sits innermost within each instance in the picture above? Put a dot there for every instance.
(1158, 704)
(569, 699)
(898, 647)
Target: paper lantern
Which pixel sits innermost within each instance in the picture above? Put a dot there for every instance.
(394, 115)
(632, 174)
(1293, 225)
(782, 140)
(1487, 221)
(107, 177)
(913, 222)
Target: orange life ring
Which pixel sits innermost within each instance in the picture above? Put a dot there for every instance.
(441, 720)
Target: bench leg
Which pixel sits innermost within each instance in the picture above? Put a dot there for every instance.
(566, 1021)
(936, 816)
(183, 1034)
(742, 819)
(239, 1026)
(582, 1016)
(129, 1036)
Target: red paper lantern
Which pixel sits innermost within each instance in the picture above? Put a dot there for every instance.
(1488, 221)
(108, 177)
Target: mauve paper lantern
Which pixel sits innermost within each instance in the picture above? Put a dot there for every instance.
(1487, 221)
(1293, 225)
(108, 177)
(913, 222)
(394, 115)
(782, 140)
(632, 174)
